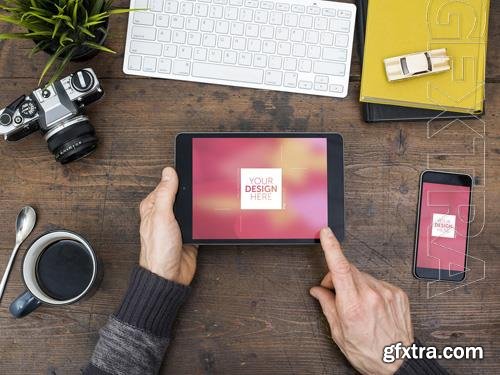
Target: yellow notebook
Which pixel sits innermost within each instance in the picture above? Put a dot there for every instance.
(398, 27)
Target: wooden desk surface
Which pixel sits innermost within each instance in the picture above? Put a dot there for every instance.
(249, 311)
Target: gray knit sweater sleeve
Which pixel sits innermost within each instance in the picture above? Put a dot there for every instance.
(135, 338)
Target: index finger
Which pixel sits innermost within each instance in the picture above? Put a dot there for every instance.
(340, 269)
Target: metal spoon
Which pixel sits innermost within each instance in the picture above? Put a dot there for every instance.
(24, 225)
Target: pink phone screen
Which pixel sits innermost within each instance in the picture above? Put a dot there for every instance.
(442, 235)
(259, 188)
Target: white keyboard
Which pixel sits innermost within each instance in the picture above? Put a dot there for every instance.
(297, 46)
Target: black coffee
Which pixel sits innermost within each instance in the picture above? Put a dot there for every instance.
(64, 270)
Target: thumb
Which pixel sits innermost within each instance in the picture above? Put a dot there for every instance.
(327, 301)
(166, 190)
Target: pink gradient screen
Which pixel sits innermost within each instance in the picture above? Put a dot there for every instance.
(444, 216)
(223, 169)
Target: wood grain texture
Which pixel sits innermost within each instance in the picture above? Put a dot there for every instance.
(250, 311)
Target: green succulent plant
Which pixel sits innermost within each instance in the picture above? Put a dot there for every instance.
(62, 27)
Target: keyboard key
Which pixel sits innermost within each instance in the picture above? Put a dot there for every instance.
(290, 79)
(269, 46)
(245, 58)
(260, 61)
(313, 10)
(230, 57)
(326, 39)
(164, 35)
(299, 50)
(281, 33)
(329, 12)
(192, 24)
(291, 19)
(312, 37)
(207, 25)
(194, 39)
(341, 40)
(224, 41)
(266, 5)
(186, 8)
(321, 79)
(284, 48)
(333, 69)
(273, 78)
(305, 85)
(252, 30)
(171, 6)
(156, 5)
(141, 4)
(185, 52)
(181, 67)
(342, 26)
(254, 45)
(179, 36)
(314, 52)
(251, 3)
(237, 28)
(290, 63)
(344, 13)
(297, 35)
(283, 7)
(260, 16)
(236, 2)
(320, 23)
(200, 54)
(162, 20)
(231, 13)
(228, 73)
(305, 66)
(209, 40)
(267, 32)
(134, 62)
(275, 62)
(215, 55)
(177, 22)
(164, 66)
(170, 50)
(334, 54)
(320, 86)
(149, 64)
(306, 22)
(239, 43)
(144, 33)
(216, 11)
(298, 8)
(246, 15)
(276, 18)
(222, 27)
(145, 48)
(201, 10)
(143, 18)
(336, 88)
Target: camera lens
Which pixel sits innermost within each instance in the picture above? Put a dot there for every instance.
(72, 140)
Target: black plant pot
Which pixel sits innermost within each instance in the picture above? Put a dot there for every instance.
(82, 53)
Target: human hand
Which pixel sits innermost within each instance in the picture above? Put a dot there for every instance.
(364, 314)
(162, 251)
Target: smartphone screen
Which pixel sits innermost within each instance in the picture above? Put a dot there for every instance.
(441, 239)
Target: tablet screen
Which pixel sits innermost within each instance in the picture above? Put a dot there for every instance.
(259, 188)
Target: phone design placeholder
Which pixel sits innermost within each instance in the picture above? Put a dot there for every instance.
(441, 240)
(259, 188)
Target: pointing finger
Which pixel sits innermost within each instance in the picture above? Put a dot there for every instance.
(340, 268)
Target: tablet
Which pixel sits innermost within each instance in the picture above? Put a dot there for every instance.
(259, 188)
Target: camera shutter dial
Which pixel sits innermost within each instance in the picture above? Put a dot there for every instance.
(82, 81)
(28, 109)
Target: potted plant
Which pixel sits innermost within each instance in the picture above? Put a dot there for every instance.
(68, 30)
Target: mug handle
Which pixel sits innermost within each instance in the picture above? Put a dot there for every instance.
(24, 304)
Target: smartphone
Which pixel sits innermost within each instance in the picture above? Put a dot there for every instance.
(442, 228)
